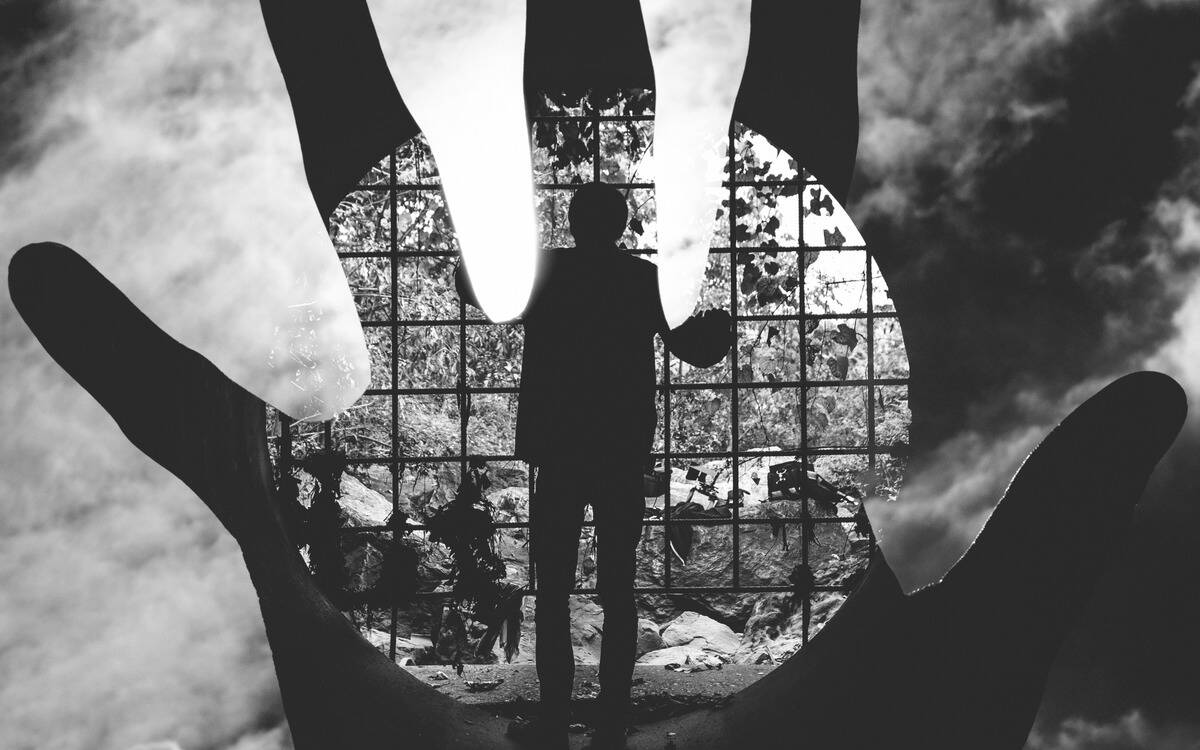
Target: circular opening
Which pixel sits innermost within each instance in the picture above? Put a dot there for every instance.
(767, 457)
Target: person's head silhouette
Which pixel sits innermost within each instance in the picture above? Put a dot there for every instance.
(598, 214)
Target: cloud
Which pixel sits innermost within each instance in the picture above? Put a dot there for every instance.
(1130, 732)
(175, 168)
(1037, 242)
(126, 614)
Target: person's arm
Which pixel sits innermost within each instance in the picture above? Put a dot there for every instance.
(702, 340)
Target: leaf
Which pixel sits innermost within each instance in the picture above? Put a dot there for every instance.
(846, 336)
(819, 201)
(746, 374)
(810, 325)
(835, 238)
(839, 366)
(750, 277)
(636, 225)
(772, 333)
(768, 292)
(771, 267)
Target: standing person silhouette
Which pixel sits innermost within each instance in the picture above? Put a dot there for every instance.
(585, 420)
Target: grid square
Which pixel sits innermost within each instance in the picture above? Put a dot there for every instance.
(836, 349)
(769, 351)
(563, 151)
(835, 282)
(700, 421)
(426, 486)
(770, 418)
(769, 282)
(425, 288)
(767, 216)
(427, 356)
(494, 355)
(493, 411)
(370, 281)
(429, 426)
(365, 429)
(836, 416)
(626, 152)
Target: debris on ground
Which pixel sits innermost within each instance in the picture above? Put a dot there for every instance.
(699, 664)
(481, 686)
(439, 675)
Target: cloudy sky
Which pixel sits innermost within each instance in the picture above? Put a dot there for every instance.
(1028, 176)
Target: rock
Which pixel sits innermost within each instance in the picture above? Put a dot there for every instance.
(587, 629)
(510, 504)
(775, 630)
(681, 655)
(648, 638)
(361, 505)
(404, 646)
(697, 631)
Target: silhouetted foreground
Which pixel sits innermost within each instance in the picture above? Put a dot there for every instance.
(958, 665)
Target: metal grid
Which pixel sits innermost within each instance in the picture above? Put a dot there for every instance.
(409, 176)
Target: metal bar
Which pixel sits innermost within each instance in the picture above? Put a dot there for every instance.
(677, 590)
(723, 386)
(802, 290)
(871, 391)
(715, 250)
(811, 520)
(393, 244)
(784, 318)
(735, 424)
(781, 453)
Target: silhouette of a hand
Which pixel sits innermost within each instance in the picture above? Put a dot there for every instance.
(961, 664)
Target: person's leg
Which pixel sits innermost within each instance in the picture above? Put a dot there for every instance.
(556, 517)
(618, 511)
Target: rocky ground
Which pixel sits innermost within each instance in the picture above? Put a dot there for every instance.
(686, 633)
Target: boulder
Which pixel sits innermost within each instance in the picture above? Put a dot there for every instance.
(648, 638)
(684, 655)
(694, 630)
(360, 505)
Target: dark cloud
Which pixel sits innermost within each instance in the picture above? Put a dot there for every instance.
(1029, 178)
(1013, 163)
